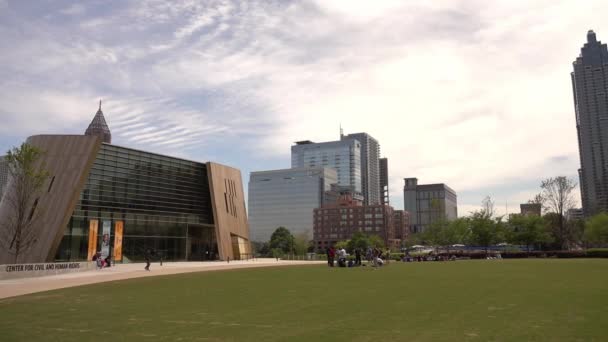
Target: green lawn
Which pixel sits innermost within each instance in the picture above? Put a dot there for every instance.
(485, 300)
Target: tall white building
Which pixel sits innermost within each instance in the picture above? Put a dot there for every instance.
(343, 156)
(286, 198)
(370, 166)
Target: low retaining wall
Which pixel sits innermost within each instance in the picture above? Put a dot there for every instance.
(44, 269)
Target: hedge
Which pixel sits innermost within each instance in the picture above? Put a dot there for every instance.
(597, 253)
(589, 253)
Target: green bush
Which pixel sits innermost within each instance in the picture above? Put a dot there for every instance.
(597, 253)
(570, 254)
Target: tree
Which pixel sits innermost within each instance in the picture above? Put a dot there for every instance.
(301, 243)
(538, 199)
(413, 239)
(282, 240)
(596, 229)
(458, 231)
(27, 176)
(261, 248)
(485, 231)
(558, 198)
(488, 206)
(276, 253)
(433, 234)
(376, 241)
(527, 230)
(341, 244)
(358, 240)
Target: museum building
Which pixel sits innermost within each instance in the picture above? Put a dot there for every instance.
(124, 203)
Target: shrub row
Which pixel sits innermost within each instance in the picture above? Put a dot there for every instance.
(591, 253)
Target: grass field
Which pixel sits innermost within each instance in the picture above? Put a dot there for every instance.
(506, 300)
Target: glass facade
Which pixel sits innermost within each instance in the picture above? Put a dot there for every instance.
(343, 156)
(164, 203)
(286, 198)
(590, 90)
(370, 166)
(428, 203)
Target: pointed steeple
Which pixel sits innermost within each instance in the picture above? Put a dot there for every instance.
(99, 127)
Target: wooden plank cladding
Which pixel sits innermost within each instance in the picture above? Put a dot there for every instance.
(68, 159)
(228, 202)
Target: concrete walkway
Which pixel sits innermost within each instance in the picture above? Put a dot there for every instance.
(18, 287)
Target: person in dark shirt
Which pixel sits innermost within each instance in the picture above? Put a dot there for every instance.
(357, 257)
(331, 254)
(147, 256)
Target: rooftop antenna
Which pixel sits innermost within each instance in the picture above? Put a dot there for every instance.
(341, 131)
(99, 104)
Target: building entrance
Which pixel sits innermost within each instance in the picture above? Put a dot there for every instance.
(202, 243)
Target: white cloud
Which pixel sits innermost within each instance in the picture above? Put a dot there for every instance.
(470, 93)
(74, 9)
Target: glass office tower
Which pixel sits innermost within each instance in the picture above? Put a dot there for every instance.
(370, 166)
(343, 156)
(590, 89)
(286, 198)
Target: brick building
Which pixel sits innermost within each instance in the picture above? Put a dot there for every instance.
(340, 220)
(401, 219)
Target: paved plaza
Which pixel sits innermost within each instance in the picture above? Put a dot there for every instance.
(17, 287)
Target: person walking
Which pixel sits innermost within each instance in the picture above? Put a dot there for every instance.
(332, 255)
(147, 256)
(357, 257)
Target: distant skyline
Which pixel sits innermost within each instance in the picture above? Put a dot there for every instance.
(474, 94)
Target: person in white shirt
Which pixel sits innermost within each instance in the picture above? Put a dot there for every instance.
(342, 257)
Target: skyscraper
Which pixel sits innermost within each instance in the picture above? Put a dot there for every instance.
(370, 166)
(590, 88)
(286, 198)
(384, 181)
(343, 156)
(99, 127)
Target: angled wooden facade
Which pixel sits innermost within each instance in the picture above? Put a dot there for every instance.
(229, 212)
(68, 159)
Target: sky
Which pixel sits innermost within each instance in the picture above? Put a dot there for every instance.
(474, 94)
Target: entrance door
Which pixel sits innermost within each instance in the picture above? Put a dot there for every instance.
(202, 243)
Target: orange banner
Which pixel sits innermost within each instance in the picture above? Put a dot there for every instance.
(118, 228)
(93, 225)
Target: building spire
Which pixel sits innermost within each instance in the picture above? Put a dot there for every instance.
(99, 127)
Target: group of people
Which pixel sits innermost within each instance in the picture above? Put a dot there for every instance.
(374, 256)
(429, 257)
(100, 261)
(103, 262)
